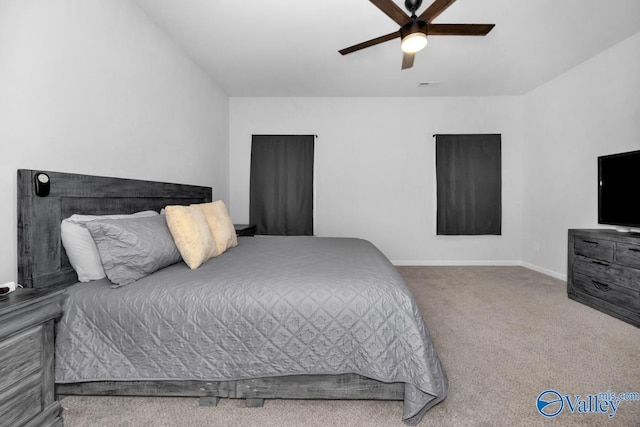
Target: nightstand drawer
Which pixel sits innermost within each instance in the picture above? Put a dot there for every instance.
(20, 355)
(628, 255)
(22, 401)
(608, 292)
(594, 248)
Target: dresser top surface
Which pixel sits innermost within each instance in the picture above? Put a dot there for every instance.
(609, 233)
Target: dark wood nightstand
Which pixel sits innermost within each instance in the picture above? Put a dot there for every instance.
(27, 394)
(245, 229)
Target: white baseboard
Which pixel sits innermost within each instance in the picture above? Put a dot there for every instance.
(423, 263)
(453, 263)
(546, 271)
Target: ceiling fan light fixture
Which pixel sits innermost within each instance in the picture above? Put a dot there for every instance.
(414, 42)
(414, 36)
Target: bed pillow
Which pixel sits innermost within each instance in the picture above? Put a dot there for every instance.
(133, 248)
(81, 249)
(220, 224)
(191, 234)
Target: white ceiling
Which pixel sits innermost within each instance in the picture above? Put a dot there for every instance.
(290, 47)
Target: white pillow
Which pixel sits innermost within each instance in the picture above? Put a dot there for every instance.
(80, 247)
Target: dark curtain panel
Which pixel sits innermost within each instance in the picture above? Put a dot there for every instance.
(469, 184)
(281, 194)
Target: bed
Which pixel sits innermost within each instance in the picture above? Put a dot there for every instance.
(274, 317)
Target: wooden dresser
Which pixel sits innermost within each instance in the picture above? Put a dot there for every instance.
(27, 395)
(604, 272)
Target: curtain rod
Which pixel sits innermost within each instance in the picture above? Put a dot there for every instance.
(462, 134)
(283, 134)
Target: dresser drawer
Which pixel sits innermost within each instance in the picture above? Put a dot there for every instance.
(594, 248)
(22, 401)
(20, 355)
(618, 295)
(628, 255)
(607, 272)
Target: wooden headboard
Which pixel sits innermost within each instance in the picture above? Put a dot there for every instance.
(42, 261)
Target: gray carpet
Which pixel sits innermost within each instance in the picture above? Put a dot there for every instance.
(504, 335)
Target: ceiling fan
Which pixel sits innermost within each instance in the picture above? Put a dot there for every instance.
(414, 29)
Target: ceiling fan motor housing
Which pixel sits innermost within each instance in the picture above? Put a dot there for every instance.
(415, 26)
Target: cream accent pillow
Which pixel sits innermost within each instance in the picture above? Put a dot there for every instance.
(220, 224)
(191, 233)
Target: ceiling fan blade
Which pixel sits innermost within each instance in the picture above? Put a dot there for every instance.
(371, 42)
(407, 60)
(436, 8)
(459, 29)
(392, 10)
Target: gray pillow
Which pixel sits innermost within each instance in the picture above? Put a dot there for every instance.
(132, 248)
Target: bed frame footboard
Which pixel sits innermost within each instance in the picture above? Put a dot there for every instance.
(344, 386)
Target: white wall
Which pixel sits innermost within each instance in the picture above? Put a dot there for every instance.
(92, 86)
(375, 168)
(592, 110)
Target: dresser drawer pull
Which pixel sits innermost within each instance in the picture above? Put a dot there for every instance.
(601, 286)
(600, 263)
(591, 242)
(634, 250)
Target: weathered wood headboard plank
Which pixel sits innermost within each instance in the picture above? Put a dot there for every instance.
(42, 261)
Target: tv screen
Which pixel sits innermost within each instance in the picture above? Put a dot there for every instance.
(619, 189)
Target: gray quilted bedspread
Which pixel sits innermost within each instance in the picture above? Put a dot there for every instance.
(271, 306)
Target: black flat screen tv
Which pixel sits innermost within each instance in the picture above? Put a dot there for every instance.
(619, 190)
